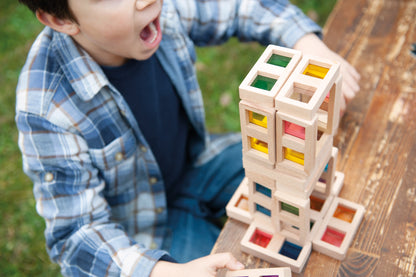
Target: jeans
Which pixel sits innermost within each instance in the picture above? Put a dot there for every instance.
(206, 190)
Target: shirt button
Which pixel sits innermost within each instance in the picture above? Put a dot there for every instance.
(159, 210)
(153, 180)
(119, 156)
(153, 245)
(48, 177)
(143, 148)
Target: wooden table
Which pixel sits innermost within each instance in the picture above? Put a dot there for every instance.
(376, 141)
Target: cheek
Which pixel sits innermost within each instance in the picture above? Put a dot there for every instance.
(116, 30)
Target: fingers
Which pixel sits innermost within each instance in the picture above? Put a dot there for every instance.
(223, 260)
(350, 85)
(343, 106)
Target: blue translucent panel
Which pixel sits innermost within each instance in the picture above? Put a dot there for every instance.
(263, 190)
(290, 250)
(263, 210)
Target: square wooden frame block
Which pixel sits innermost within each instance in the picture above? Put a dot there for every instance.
(263, 68)
(258, 198)
(316, 87)
(307, 146)
(329, 176)
(251, 130)
(322, 154)
(270, 253)
(339, 229)
(233, 208)
(285, 218)
(261, 272)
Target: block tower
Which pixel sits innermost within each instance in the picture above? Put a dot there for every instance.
(289, 114)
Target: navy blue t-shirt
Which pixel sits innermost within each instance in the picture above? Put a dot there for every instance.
(158, 111)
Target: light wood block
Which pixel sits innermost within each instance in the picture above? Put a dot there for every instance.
(306, 146)
(261, 272)
(258, 123)
(338, 229)
(292, 217)
(303, 95)
(280, 74)
(273, 252)
(238, 206)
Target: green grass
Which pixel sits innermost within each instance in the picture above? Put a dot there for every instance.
(22, 245)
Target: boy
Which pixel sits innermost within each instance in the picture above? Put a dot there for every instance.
(112, 133)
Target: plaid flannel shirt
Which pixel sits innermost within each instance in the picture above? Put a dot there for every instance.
(96, 182)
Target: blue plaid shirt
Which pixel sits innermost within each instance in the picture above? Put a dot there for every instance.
(96, 182)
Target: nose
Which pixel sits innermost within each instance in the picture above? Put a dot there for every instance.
(142, 4)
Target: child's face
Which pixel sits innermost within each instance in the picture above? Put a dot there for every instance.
(112, 31)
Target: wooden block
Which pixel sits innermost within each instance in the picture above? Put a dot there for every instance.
(293, 217)
(288, 141)
(261, 190)
(327, 178)
(316, 222)
(238, 206)
(266, 77)
(329, 112)
(287, 179)
(261, 272)
(338, 183)
(258, 133)
(320, 204)
(303, 95)
(338, 228)
(322, 154)
(275, 248)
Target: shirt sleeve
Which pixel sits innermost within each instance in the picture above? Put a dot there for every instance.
(265, 21)
(69, 196)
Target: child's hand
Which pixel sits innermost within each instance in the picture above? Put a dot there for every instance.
(203, 267)
(311, 44)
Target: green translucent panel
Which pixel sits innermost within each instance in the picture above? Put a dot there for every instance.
(263, 82)
(289, 208)
(279, 60)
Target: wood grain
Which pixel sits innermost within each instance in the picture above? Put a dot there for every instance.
(376, 141)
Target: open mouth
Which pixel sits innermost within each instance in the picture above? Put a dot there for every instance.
(151, 32)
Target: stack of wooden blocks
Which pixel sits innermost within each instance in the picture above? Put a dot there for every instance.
(289, 113)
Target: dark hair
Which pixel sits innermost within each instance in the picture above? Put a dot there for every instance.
(58, 8)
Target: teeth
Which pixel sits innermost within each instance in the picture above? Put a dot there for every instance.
(152, 27)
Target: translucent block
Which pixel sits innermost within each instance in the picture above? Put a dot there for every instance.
(316, 203)
(290, 250)
(289, 208)
(263, 190)
(279, 60)
(344, 213)
(242, 203)
(261, 238)
(257, 119)
(294, 156)
(294, 130)
(259, 145)
(263, 82)
(333, 237)
(263, 210)
(316, 71)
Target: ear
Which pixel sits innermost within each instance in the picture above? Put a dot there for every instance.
(66, 26)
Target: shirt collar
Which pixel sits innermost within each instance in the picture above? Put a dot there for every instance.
(84, 74)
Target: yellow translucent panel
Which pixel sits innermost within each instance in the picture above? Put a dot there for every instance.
(316, 71)
(259, 145)
(294, 156)
(257, 119)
